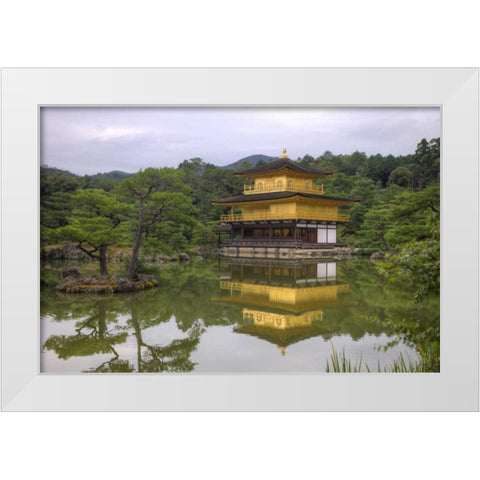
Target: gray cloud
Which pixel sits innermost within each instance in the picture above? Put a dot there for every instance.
(91, 140)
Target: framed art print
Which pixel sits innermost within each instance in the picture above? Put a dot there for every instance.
(240, 239)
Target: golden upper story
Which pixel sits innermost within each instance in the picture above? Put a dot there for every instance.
(272, 194)
(283, 175)
(283, 183)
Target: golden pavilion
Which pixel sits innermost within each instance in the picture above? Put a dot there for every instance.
(283, 207)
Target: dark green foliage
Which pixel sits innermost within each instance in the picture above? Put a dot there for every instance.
(426, 163)
(418, 262)
(376, 225)
(55, 180)
(106, 181)
(209, 183)
(204, 236)
(422, 168)
(97, 220)
(363, 190)
(338, 184)
(158, 195)
(401, 176)
(55, 212)
(56, 189)
(400, 217)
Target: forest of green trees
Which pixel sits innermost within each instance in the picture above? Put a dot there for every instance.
(169, 209)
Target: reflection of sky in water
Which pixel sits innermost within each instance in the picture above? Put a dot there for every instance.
(222, 350)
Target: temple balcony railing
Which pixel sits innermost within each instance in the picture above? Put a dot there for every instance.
(300, 215)
(275, 242)
(251, 189)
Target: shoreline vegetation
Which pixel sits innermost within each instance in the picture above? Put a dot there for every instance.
(78, 273)
(425, 361)
(125, 220)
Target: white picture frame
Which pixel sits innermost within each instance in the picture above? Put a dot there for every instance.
(455, 91)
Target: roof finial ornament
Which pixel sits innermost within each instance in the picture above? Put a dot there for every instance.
(284, 153)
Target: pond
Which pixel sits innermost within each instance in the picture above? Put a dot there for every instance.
(249, 316)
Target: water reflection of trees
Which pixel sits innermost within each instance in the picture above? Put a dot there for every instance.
(91, 337)
(184, 297)
(98, 332)
(174, 357)
(185, 292)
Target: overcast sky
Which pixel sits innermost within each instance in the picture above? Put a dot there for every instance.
(92, 140)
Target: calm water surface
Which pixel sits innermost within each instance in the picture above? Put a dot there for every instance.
(231, 316)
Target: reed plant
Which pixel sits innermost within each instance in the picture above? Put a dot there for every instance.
(339, 363)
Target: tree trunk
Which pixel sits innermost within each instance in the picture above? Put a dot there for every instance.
(102, 320)
(138, 334)
(384, 241)
(132, 269)
(103, 260)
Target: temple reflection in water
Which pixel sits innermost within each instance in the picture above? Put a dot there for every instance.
(282, 302)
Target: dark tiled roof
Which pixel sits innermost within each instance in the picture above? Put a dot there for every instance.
(278, 165)
(256, 197)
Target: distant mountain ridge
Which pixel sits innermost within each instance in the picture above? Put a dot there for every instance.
(115, 175)
(46, 170)
(250, 161)
(118, 175)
